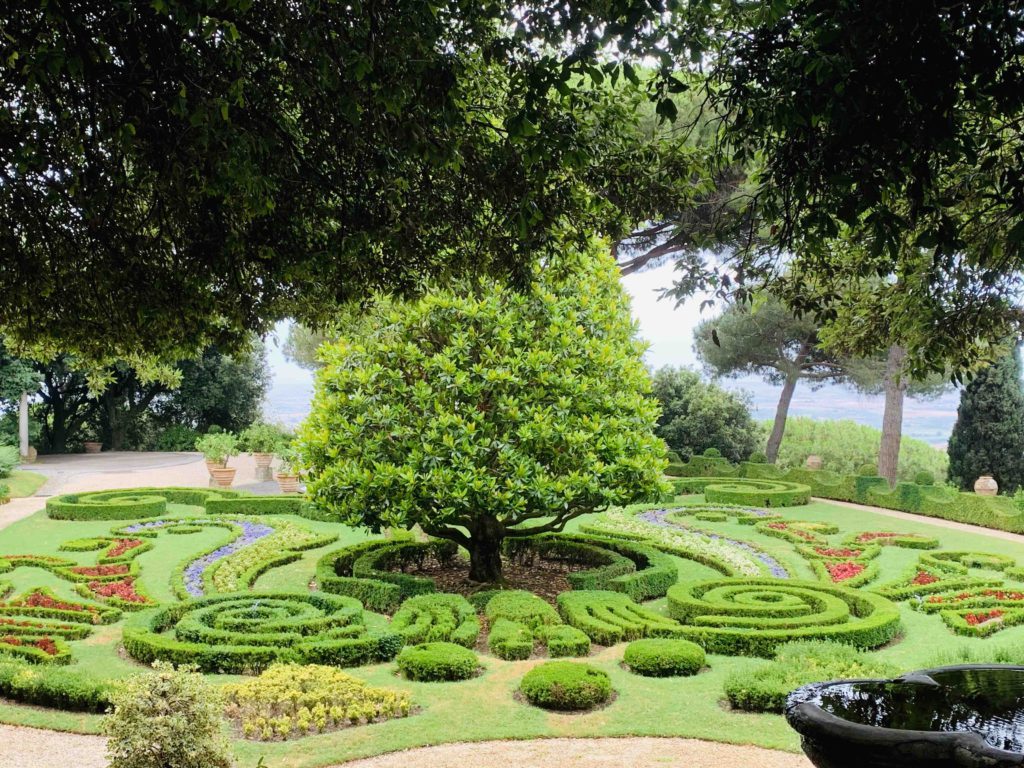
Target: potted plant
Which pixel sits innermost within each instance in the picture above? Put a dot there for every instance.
(262, 440)
(218, 448)
(92, 445)
(289, 470)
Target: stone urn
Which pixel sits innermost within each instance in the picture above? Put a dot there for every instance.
(814, 462)
(222, 476)
(263, 465)
(986, 485)
(288, 483)
(92, 446)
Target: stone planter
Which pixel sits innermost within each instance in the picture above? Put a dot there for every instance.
(223, 476)
(814, 462)
(288, 483)
(986, 485)
(263, 461)
(91, 446)
(966, 716)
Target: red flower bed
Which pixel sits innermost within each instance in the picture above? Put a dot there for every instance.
(120, 546)
(843, 571)
(42, 600)
(784, 527)
(45, 644)
(125, 590)
(873, 535)
(25, 623)
(1000, 594)
(101, 570)
(924, 578)
(837, 552)
(974, 619)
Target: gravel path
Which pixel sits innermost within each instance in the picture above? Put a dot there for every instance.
(35, 748)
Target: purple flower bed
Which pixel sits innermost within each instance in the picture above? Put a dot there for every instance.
(193, 574)
(659, 517)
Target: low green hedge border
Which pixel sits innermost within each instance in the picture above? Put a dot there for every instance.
(608, 618)
(437, 617)
(664, 657)
(753, 617)
(54, 687)
(129, 503)
(749, 491)
(437, 662)
(566, 686)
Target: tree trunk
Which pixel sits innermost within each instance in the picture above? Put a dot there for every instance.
(23, 445)
(485, 541)
(892, 419)
(59, 427)
(781, 412)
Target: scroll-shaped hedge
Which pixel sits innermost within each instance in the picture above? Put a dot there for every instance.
(129, 504)
(246, 632)
(519, 619)
(437, 617)
(747, 491)
(608, 618)
(752, 617)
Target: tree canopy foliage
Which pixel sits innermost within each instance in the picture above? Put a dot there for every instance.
(988, 437)
(481, 413)
(182, 172)
(697, 415)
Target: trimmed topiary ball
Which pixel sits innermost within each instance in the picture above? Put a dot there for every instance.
(758, 457)
(429, 662)
(924, 478)
(867, 470)
(664, 657)
(566, 686)
(712, 453)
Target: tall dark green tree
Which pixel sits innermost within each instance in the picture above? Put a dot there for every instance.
(988, 437)
(697, 415)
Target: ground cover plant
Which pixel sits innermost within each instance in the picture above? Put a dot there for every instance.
(946, 589)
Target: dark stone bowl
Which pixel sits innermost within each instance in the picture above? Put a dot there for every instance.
(833, 742)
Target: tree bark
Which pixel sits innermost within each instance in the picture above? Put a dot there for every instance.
(895, 385)
(23, 445)
(485, 539)
(781, 412)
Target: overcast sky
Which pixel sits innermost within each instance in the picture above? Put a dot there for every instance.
(669, 330)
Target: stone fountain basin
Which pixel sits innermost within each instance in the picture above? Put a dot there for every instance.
(832, 741)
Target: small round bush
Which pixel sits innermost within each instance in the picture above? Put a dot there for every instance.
(867, 470)
(664, 657)
(437, 661)
(712, 453)
(758, 457)
(566, 685)
(924, 478)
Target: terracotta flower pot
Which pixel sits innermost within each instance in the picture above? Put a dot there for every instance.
(814, 462)
(986, 485)
(212, 465)
(91, 446)
(263, 465)
(288, 483)
(223, 476)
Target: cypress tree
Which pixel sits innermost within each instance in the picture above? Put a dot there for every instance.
(988, 438)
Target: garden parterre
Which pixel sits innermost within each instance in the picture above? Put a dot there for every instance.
(256, 594)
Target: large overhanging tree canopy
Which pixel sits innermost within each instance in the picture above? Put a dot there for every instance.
(484, 413)
(184, 171)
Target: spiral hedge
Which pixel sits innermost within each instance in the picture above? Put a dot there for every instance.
(746, 491)
(437, 617)
(245, 633)
(608, 618)
(130, 504)
(752, 617)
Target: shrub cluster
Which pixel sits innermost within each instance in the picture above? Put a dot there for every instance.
(520, 619)
(437, 617)
(608, 618)
(432, 662)
(753, 617)
(54, 686)
(765, 687)
(289, 700)
(664, 657)
(566, 686)
(246, 633)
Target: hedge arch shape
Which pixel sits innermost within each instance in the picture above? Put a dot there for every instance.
(752, 617)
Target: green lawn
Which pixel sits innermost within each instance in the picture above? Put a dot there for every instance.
(484, 708)
(23, 483)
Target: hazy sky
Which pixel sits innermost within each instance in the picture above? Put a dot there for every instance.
(669, 330)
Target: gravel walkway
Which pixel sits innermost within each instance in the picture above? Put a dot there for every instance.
(36, 748)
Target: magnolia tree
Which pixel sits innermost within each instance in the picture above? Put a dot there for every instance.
(485, 413)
